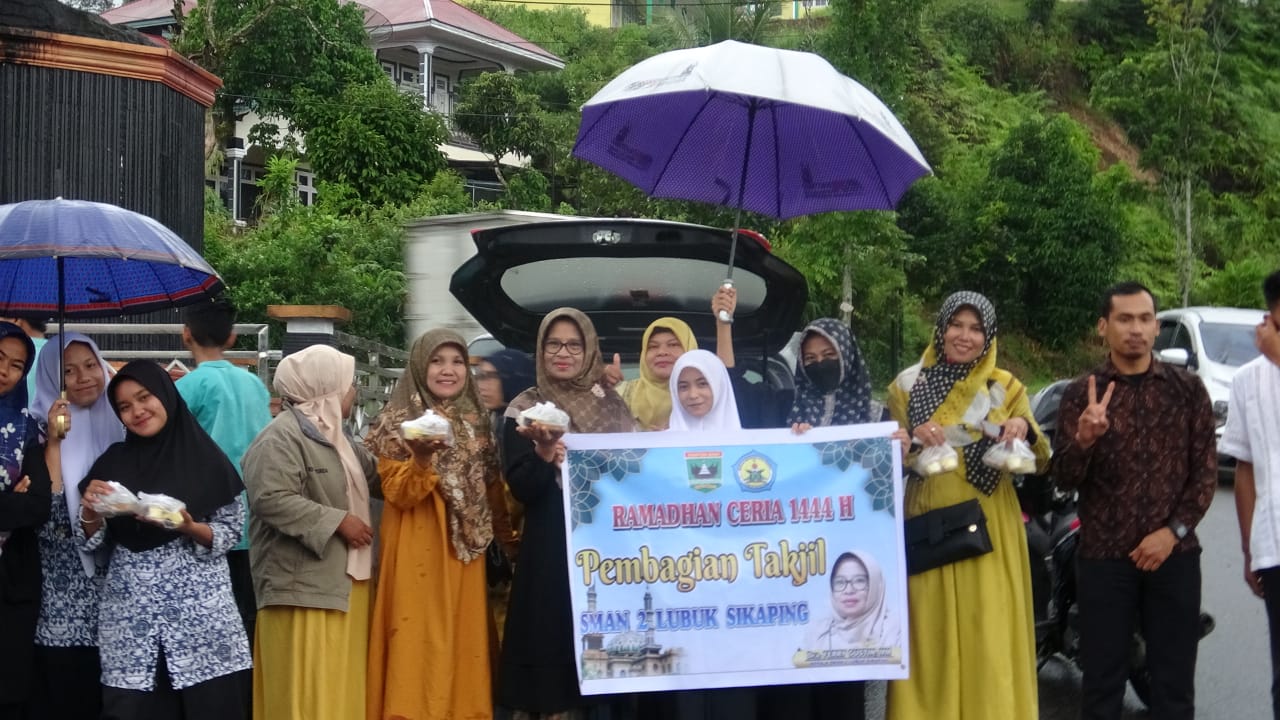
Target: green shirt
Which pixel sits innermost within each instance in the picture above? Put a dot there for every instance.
(232, 405)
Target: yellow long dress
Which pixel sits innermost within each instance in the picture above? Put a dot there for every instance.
(973, 651)
(308, 663)
(429, 646)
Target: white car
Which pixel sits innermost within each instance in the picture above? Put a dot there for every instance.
(1213, 343)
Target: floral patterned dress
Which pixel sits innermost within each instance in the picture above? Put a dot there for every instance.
(176, 597)
(69, 597)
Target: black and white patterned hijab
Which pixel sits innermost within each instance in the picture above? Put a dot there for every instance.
(850, 403)
(939, 379)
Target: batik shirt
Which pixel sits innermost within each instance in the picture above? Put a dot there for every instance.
(69, 597)
(176, 596)
(1155, 465)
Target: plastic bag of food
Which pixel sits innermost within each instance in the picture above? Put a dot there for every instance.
(1012, 456)
(120, 501)
(937, 459)
(429, 426)
(547, 415)
(161, 508)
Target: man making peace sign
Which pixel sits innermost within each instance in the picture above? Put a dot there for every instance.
(1136, 438)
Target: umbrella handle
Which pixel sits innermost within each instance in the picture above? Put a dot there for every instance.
(724, 316)
(60, 422)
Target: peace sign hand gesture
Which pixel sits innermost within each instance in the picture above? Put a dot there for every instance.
(1093, 422)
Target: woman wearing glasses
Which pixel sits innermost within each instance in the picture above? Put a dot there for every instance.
(860, 617)
(538, 676)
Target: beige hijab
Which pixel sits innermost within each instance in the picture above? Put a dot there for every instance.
(873, 625)
(591, 407)
(313, 381)
(467, 468)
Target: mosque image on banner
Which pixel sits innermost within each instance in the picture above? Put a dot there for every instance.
(627, 654)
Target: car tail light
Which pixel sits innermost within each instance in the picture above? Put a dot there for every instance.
(764, 243)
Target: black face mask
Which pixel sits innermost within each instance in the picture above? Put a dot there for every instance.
(824, 374)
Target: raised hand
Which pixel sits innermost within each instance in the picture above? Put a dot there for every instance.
(612, 372)
(1093, 422)
(59, 421)
(725, 299)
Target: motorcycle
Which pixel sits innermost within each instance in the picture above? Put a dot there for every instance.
(1053, 537)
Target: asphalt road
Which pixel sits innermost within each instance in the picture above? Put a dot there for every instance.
(1233, 670)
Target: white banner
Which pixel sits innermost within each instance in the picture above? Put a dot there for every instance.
(757, 557)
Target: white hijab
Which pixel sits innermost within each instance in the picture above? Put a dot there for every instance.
(724, 406)
(93, 429)
(314, 381)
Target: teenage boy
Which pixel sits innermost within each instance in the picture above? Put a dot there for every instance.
(1252, 437)
(233, 406)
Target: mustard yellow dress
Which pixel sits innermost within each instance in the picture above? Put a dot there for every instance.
(308, 663)
(973, 653)
(429, 646)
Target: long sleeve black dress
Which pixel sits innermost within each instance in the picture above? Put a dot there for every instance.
(21, 514)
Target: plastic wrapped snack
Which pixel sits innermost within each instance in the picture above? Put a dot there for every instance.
(161, 508)
(430, 426)
(547, 415)
(936, 460)
(120, 501)
(1012, 456)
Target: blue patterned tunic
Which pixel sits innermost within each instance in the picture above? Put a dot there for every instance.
(69, 597)
(176, 596)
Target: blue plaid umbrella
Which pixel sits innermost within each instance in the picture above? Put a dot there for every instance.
(72, 258)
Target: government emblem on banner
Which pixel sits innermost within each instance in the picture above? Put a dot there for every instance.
(704, 469)
(755, 472)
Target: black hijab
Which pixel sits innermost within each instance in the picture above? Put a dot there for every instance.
(516, 371)
(180, 461)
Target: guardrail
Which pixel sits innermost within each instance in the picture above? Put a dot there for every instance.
(262, 357)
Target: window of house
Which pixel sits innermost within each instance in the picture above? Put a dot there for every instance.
(409, 76)
(306, 187)
(390, 69)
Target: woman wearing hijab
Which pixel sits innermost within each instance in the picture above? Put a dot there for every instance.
(832, 387)
(431, 606)
(973, 649)
(664, 341)
(539, 674)
(24, 507)
(703, 400)
(67, 634)
(311, 550)
(169, 635)
(860, 617)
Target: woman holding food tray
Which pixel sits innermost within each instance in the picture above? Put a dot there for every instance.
(429, 651)
(538, 676)
(171, 641)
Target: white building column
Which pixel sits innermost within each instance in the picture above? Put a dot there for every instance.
(426, 61)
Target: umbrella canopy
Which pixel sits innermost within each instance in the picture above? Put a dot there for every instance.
(777, 132)
(95, 260)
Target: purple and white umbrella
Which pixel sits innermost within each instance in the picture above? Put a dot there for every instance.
(778, 132)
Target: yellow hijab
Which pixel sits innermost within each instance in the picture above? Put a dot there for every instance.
(649, 397)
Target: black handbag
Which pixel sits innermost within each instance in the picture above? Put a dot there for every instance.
(946, 535)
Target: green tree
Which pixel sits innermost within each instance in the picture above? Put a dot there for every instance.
(706, 22)
(501, 117)
(373, 139)
(266, 51)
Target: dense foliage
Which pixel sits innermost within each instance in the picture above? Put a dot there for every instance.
(1072, 144)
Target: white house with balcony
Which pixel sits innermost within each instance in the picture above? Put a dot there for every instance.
(427, 47)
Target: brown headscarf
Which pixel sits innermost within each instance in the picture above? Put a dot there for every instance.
(465, 469)
(591, 407)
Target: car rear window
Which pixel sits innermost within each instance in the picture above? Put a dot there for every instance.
(651, 284)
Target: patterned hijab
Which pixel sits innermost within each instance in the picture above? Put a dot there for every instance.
(723, 414)
(945, 391)
(93, 429)
(648, 396)
(467, 468)
(314, 382)
(591, 407)
(17, 426)
(850, 403)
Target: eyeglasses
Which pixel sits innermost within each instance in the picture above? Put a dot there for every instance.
(845, 584)
(551, 347)
(487, 375)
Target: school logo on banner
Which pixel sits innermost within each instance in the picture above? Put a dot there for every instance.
(755, 472)
(704, 469)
